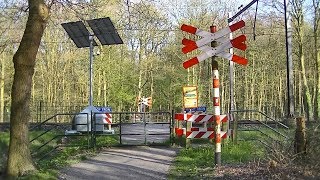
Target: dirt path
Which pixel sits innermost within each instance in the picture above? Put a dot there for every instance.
(124, 163)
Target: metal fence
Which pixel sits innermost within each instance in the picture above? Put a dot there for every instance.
(129, 128)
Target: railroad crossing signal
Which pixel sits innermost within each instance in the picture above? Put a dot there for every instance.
(146, 101)
(208, 37)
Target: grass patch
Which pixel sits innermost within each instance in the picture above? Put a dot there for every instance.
(107, 140)
(59, 158)
(260, 133)
(192, 163)
(4, 144)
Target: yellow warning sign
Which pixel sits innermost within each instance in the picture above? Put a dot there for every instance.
(190, 96)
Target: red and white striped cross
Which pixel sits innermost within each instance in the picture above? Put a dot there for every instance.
(208, 37)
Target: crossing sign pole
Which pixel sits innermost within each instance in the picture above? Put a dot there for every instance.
(216, 102)
(214, 37)
(220, 50)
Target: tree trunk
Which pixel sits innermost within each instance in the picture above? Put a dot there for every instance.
(317, 96)
(299, 27)
(316, 22)
(306, 91)
(19, 157)
(151, 86)
(2, 89)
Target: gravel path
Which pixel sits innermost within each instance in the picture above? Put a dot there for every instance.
(124, 163)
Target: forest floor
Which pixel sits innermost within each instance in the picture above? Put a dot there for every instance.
(262, 171)
(154, 163)
(254, 170)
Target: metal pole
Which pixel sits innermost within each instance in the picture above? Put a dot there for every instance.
(230, 19)
(88, 133)
(231, 71)
(288, 31)
(172, 125)
(120, 129)
(90, 70)
(145, 124)
(216, 103)
(91, 129)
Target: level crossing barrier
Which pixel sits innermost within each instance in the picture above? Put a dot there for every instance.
(198, 126)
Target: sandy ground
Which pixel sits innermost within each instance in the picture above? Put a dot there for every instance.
(124, 163)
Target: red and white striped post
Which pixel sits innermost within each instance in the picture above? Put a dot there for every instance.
(216, 103)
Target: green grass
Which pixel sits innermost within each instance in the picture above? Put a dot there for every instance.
(271, 133)
(198, 163)
(193, 163)
(107, 140)
(4, 144)
(63, 156)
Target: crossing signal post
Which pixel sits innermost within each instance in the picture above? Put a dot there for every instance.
(219, 47)
(149, 101)
(220, 50)
(143, 102)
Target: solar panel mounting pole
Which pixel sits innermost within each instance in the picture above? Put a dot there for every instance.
(90, 70)
(105, 32)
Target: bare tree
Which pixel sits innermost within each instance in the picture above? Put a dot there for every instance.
(298, 22)
(316, 21)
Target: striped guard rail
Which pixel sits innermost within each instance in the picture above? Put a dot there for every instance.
(199, 118)
(204, 133)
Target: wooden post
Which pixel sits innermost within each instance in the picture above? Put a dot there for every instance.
(300, 137)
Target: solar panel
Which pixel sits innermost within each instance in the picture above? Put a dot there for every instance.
(104, 30)
(78, 33)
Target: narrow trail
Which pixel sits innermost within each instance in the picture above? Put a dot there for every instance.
(141, 163)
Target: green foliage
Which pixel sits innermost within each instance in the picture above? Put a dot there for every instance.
(44, 138)
(193, 162)
(107, 141)
(242, 152)
(40, 175)
(4, 144)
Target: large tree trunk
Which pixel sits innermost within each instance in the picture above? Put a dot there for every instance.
(19, 158)
(2, 89)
